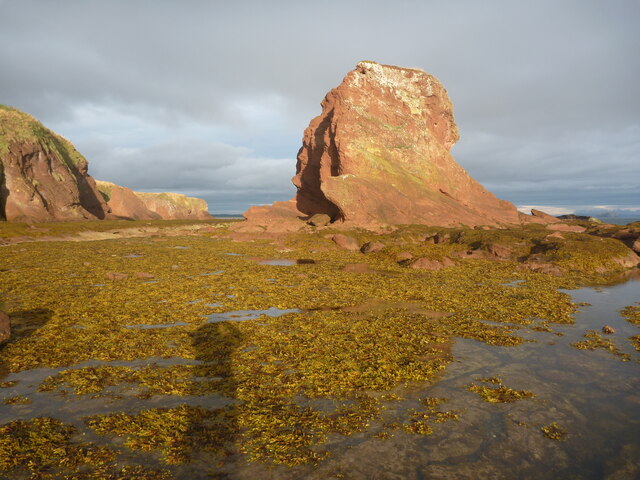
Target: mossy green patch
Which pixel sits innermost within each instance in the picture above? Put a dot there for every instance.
(554, 431)
(178, 431)
(421, 421)
(17, 126)
(44, 448)
(150, 380)
(17, 400)
(632, 314)
(500, 393)
(595, 341)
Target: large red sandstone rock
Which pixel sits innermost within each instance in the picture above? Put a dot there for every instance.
(124, 203)
(379, 154)
(42, 176)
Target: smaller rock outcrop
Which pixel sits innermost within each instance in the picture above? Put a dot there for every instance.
(124, 203)
(579, 217)
(174, 206)
(544, 217)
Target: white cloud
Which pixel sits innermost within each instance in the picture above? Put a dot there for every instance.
(555, 211)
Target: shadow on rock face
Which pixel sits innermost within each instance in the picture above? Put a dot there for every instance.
(4, 193)
(87, 192)
(310, 199)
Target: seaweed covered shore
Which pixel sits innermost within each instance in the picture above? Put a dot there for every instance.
(170, 348)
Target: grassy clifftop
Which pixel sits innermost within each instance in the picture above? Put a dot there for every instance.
(17, 126)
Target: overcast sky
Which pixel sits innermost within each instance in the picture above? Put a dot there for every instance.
(211, 98)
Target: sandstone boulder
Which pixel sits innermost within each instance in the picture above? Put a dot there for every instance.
(346, 242)
(501, 252)
(563, 227)
(554, 236)
(544, 217)
(403, 256)
(372, 247)
(281, 217)
(540, 263)
(42, 176)
(429, 264)
(378, 154)
(115, 276)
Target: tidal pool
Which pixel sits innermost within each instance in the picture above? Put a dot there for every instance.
(593, 395)
(243, 315)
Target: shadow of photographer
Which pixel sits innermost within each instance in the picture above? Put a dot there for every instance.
(16, 325)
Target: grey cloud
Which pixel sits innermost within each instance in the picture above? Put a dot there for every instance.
(541, 89)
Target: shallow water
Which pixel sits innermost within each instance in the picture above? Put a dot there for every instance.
(592, 394)
(243, 315)
(71, 408)
(234, 316)
(278, 262)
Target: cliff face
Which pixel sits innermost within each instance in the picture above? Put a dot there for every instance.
(42, 176)
(379, 154)
(127, 204)
(175, 205)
